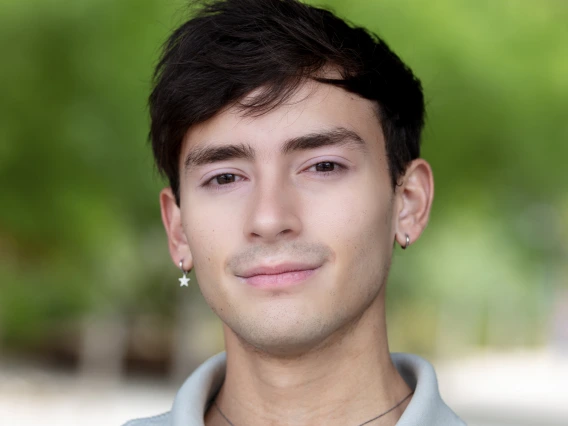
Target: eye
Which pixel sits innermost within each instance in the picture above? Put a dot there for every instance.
(225, 178)
(326, 166)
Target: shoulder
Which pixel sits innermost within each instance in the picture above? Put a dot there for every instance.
(192, 397)
(158, 420)
(426, 408)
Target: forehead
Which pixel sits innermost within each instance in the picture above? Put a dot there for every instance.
(314, 107)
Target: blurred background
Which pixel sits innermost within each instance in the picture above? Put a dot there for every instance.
(93, 323)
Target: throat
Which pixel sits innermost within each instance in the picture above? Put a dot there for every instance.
(354, 388)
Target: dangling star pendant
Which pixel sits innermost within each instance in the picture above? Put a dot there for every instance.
(184, 280)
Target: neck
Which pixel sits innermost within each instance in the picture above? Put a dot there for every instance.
(349, 380)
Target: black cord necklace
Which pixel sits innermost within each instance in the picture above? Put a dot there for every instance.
(362, 424)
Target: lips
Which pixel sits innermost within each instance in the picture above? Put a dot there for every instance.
(278, 276)
(277, 269)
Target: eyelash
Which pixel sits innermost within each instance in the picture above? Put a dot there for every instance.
(338, 168)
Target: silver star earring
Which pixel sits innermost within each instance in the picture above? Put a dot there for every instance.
(183, 280)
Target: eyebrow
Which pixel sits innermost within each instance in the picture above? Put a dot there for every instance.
(215, 154)
(338, 136)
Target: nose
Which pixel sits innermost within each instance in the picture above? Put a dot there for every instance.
(273, 213)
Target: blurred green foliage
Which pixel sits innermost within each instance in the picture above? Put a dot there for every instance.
(80, 229)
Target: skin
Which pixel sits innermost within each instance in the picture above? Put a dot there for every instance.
(316, 352)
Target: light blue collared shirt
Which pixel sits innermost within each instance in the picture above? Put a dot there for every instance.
(426, 408)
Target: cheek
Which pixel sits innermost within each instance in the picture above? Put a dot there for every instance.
(206, 245)
(357, 226)
(208, 232)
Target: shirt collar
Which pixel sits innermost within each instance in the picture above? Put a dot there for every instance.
(426, 408)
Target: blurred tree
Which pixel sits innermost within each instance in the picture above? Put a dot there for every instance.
(79, 225)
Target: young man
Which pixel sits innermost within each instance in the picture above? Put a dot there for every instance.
(291, 145)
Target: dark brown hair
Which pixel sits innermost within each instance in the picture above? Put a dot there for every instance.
(231, 47)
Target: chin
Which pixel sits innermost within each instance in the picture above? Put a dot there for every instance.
(282, 346)
(284, 335)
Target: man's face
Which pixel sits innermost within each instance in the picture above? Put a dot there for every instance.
(291, 230)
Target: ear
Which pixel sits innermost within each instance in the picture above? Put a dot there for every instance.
(177, 240)
(414, 201)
